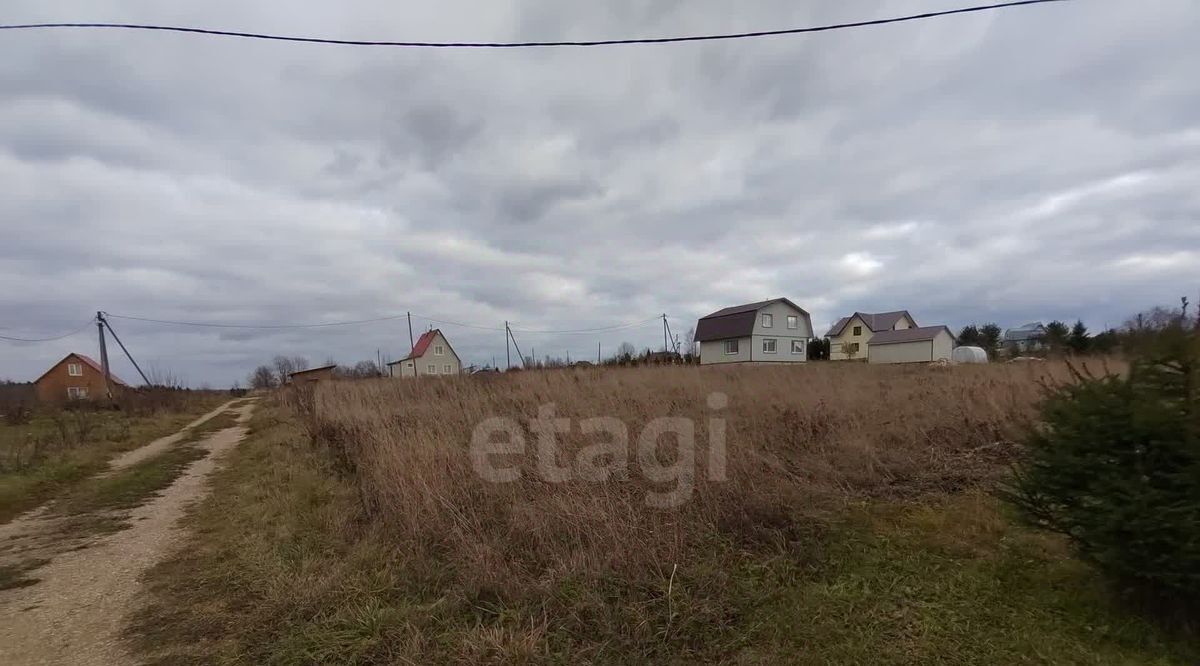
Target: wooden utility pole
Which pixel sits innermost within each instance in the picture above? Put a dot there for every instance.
(412, 344)
(104, 356)
(507, 355)
(597, 352)
(665, 343)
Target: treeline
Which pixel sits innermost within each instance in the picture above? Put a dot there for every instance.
(1061, 338)
(277, 372)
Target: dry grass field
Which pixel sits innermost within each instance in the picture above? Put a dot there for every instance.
(845, 516)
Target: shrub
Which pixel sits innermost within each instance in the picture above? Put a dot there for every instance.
(1115, 466)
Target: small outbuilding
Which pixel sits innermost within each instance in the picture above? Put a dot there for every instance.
(323, 373)
(911, 345)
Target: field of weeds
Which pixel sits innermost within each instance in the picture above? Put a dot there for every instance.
(851, 521)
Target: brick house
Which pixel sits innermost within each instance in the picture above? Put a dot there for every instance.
(76, 377)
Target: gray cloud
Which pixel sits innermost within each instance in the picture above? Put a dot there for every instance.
(1010, 166)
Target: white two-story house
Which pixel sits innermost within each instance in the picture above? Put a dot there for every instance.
(775, 331)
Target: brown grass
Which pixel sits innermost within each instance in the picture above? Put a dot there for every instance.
(802, 443)
(855, 527)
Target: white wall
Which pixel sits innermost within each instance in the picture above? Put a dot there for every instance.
(714, 352)
(922, 351)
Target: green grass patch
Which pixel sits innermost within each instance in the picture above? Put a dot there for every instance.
(283, 567)
(55, 452)
(226, 419)
(130, 487)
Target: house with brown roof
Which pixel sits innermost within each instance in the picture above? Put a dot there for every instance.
(774, 331)
(75, 377)
(911, 345)
(432, 356)
(850, 335)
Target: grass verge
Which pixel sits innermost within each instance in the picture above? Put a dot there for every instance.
(284, 566)
(55, 453)
(226, 419)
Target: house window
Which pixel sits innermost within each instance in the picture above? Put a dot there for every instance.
(439, 350)
(75, 369)
(858, 330)
(797, 346)
(77, 392)
(768, 320)
(854, 347)
(446, 369)
(731, 347)
(768, 345)
(432, 369)
(793, 322)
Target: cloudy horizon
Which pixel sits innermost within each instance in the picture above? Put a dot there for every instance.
(1026, 164)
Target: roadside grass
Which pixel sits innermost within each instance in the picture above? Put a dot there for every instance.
(285, 565)
(57, 451)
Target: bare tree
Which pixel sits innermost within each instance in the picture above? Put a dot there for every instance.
(286, 365)
(163, 377)
(364, 370)
(689, 345)
(263, 377)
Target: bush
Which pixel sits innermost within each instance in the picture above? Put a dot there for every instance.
(1115, 466)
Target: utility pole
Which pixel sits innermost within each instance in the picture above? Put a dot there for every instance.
(411, 343)
(597, 352)
(507, 354)
(104, 356)
(665, 343)
(127, 354)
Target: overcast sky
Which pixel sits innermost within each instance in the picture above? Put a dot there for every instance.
(1031, 163)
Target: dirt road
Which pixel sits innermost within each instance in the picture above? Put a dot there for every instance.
(75, 613)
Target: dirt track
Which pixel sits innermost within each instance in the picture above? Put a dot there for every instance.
(75, 614)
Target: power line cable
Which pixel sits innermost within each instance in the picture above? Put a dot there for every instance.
(532, 44)
(356, 322)
(50, 339)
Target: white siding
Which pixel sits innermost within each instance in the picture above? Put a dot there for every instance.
(923, 351)
(714, 352)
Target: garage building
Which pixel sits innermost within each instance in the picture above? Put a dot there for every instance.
(911, 345)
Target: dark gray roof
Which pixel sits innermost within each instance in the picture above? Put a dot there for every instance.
(879, 321)
(908, 335)
(324, 367)
(738, 321)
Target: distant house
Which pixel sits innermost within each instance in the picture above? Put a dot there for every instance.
(911, 345)
(848, 338)
(323, 373)
(432, 356)
(774, 331)
(76, 377)
(1026, 337)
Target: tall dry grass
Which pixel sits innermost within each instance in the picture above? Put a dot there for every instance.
(801, 442)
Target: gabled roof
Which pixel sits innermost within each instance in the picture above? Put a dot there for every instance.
(879, 321)
(738, 321)
(88, 361)
(423, 343)
(908, 335)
